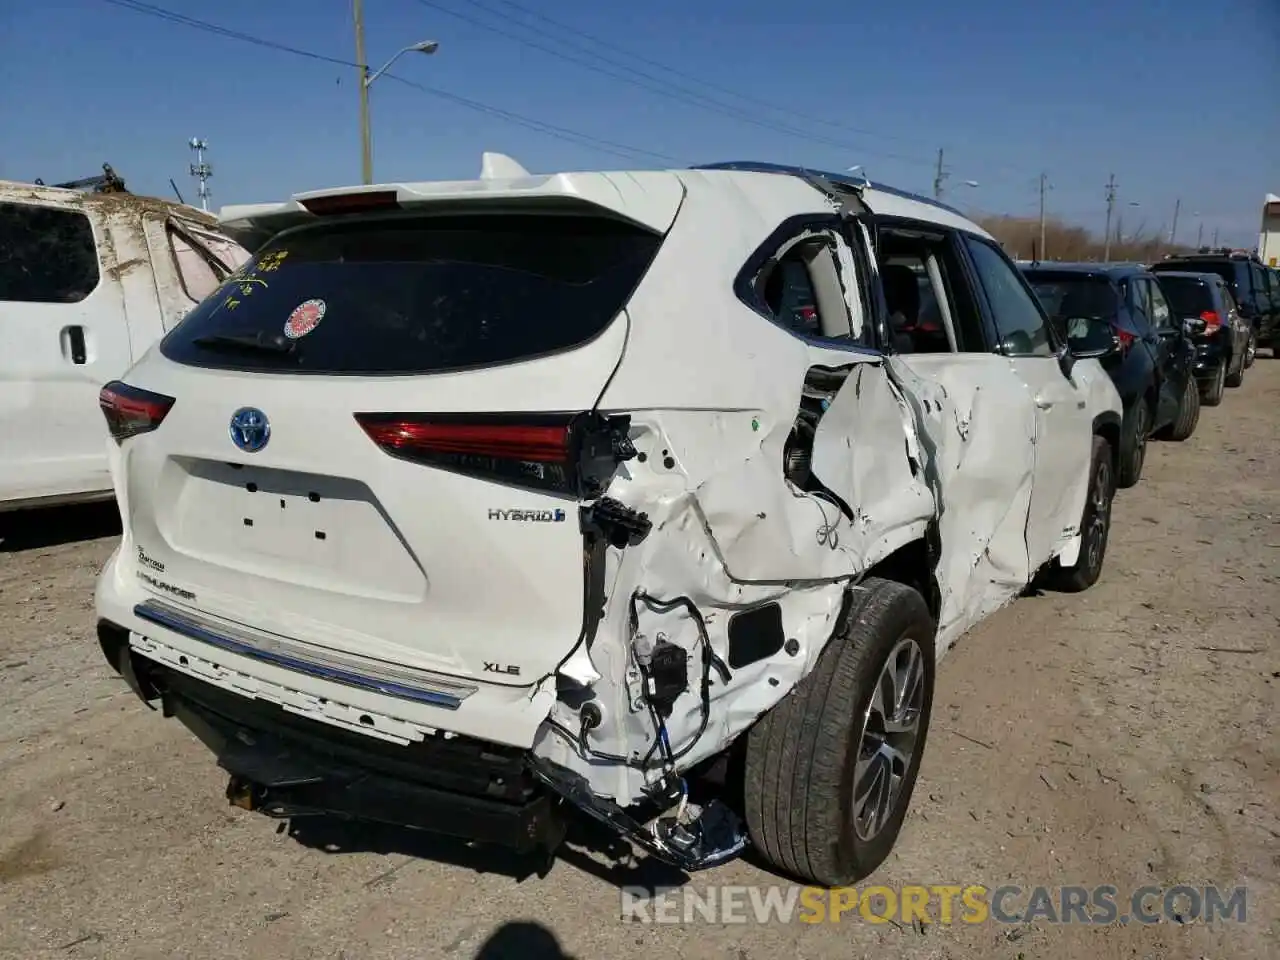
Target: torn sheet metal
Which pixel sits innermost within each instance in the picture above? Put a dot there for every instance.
(863, 453)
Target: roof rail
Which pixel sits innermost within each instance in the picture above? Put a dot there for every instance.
(843, 179)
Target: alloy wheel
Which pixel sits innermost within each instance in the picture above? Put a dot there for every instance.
(890, 733)
(1139, 437)
(1100, 515)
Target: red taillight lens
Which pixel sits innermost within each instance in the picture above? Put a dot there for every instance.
(1211, 321)
(131, 411)
(574, 455)
(1125, 337)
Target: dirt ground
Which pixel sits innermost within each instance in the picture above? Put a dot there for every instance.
(1122, 736)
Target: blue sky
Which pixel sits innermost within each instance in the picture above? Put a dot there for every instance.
(1177, 99)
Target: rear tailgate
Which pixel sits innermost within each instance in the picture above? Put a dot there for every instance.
(455, 551)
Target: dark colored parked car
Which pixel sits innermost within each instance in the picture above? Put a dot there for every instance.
(1223, 339)
(1251, 283)
(1120, 314)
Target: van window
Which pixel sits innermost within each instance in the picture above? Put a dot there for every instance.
(418, 294)
(198, 275)
(47, 255)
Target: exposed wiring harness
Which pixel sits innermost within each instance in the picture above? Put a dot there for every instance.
(662, 740)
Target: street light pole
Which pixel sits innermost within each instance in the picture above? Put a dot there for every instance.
(366, 80)
(366, 142)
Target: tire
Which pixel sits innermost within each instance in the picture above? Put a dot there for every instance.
(1095, 527)
(1133, 449)
(802, 756)
(1236, 379)
(1251, 351)
(1184, 424)
(1211, 395)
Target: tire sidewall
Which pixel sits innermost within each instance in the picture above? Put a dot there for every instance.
(1090, 572)
(866, 855)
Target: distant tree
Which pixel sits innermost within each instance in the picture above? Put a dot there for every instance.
(1020, 236)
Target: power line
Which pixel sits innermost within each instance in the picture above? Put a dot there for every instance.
(560, 28)
(575, 137)
(162, 14)
(598, 143)
(752, 101)
(663, 88)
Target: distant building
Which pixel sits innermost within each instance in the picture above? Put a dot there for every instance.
(1269, 238)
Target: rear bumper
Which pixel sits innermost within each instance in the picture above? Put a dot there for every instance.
(1209, 356)
(497, 713)
(286, 765)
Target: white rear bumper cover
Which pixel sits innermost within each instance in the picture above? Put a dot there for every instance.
(159, 632)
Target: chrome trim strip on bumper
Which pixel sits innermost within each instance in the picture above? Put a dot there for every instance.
(403, 683)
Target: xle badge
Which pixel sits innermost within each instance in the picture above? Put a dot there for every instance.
(510, 669)
(306, 317)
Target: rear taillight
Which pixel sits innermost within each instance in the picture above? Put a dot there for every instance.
(1211, 321)
(1125, 337)
(575, 455)
(131, 411)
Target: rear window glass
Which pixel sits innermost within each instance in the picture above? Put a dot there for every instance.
(417, 295)
(1189, 298)
(1079, 295)
(1226, 269)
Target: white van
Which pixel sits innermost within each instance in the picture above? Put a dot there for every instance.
(88, 282)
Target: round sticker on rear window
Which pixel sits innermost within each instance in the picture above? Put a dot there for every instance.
(306, 317)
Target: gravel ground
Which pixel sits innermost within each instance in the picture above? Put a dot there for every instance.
(1122, 736)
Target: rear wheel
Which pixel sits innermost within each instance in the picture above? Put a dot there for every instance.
(1184, 424)
(1134, 447)
(1237, 379)
(830, 769)
(1212, 393)
(1095, 527)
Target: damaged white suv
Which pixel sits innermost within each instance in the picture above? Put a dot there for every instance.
(466, 504)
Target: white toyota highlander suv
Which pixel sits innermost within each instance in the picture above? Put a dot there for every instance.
(655, 495)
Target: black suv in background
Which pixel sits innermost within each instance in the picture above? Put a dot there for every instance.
(1119, 313)
(1251, 283)
(1223, 339)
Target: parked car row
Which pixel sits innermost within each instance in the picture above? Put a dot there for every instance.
(652, 497)
(1171, 336)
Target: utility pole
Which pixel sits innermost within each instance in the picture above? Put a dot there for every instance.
(1111, 202)
(1199, 234)
(1215, 238)
(1173, 230)
(362, 66)
(200, 170)
(1044, 185)
(939, 177)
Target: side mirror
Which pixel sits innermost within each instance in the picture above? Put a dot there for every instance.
(1193, 326)
(1091, 338)
(1066, 361)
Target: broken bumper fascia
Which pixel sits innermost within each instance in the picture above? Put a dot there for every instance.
(286, 765)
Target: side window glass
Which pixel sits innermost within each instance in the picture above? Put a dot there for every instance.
(1136, 291)
(1261, 284)
(46, 255)
(196, 273)
(789, 295)
(1022, 327)
(1161, 315)
(804, 289)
